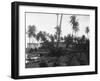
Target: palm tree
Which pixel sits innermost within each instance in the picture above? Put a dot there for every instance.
(68, 40)
(41, 36)
(61, 38)
(87, 31)
(31, 31)
(55, 37)
(52, 38)
(58, 30)
(74, 23)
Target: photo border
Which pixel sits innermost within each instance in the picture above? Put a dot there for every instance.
(15, 39)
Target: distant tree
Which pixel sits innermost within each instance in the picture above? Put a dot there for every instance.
(87, 31)
(65, 39)
(55, 37)
(41, 36)
(38, 36)
(52, 38)
(68, 40)
(62, 38)
(83, 39)
(74, 23)
(31, 31)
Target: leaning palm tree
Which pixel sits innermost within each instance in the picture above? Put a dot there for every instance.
(87, 31)
(31, 32)
(74, 23)
(58, 30)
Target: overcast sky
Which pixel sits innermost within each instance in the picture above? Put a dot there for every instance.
(48, 22)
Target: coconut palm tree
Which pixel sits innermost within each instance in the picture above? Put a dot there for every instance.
(68, 40)
(58, 30)
(31, 32)
(87, 31)
(74, 23)
(61, 38)
(41, 36)
(52, 38)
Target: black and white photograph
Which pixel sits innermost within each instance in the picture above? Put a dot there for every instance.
(58, 39)
(50, 40)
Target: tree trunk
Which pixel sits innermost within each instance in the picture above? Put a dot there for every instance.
(57, 35)
(60, 31)
(29, 41)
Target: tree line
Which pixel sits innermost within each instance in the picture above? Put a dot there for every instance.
(46, 37)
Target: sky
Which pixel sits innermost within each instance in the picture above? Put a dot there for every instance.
(47, 22)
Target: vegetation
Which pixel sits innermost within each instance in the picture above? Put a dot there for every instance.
(74, 23)
(56, 50)
(87, 31)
